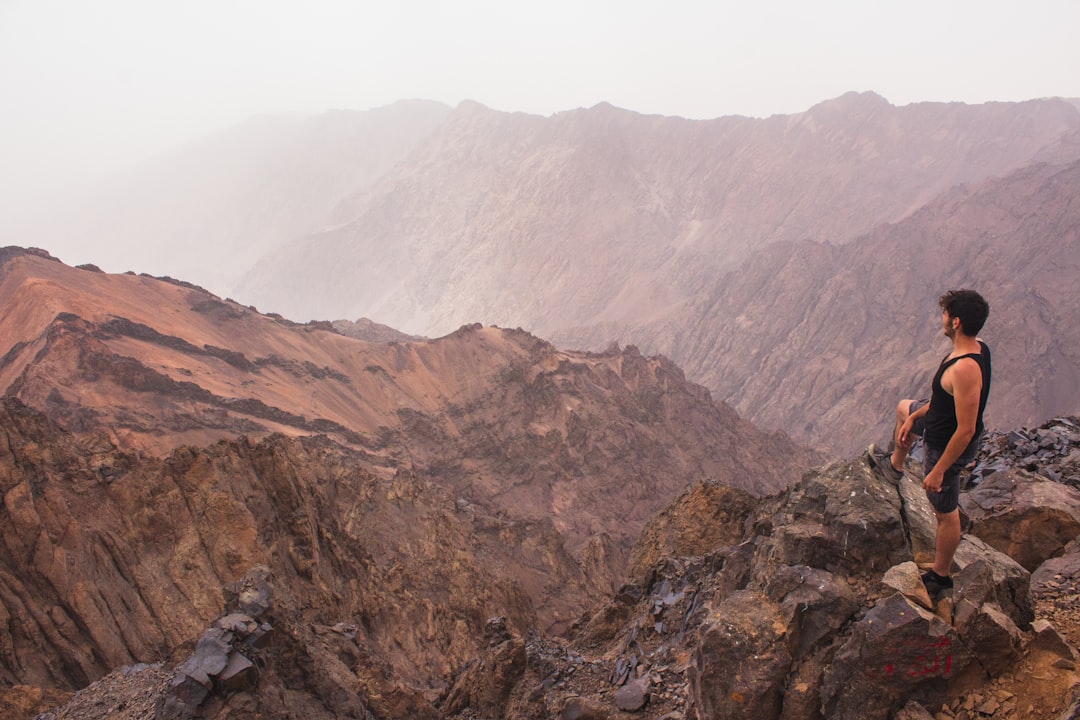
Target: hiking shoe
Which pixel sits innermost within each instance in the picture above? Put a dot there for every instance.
(883, 464)
(935, 583)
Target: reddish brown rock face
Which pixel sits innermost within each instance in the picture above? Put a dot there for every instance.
(159, 442)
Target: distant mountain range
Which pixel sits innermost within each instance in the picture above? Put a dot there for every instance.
(738, 247)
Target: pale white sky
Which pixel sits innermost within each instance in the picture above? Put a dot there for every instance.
(90, 86)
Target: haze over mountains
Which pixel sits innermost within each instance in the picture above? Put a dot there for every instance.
(491, 524)
(600, 225)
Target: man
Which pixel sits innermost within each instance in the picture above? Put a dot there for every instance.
(950, 425)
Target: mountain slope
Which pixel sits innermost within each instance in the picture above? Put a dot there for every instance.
(158, 442)
(602, 215)
(822, 340)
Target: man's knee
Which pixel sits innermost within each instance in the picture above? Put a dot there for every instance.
(903, 409)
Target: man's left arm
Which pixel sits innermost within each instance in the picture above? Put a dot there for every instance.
(966, 390)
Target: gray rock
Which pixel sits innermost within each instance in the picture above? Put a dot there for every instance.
(1048, 638)
(741, 659)
(992, 636)
(633, 695)
(815, 604)
(906, 578)
(897, 652)
(211, 654)
(842, 518)
(185, 695)
(1067, 566)
(1024, 516)
(987, 575)
(238, 674)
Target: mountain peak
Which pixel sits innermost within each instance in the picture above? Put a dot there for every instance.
(852, 102)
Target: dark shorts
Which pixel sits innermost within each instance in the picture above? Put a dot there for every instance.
(919, 425)
(949, 498)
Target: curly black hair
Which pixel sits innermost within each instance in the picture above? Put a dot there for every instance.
(967, 305)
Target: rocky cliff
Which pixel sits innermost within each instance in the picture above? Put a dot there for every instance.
(806, 605)
(160, 442)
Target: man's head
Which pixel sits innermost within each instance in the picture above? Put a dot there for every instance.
(968, 307)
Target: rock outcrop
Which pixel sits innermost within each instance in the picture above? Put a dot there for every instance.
(804, 618)
(760, 620)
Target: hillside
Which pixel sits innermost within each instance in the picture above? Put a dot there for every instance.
(606, 216)
(822, 339)
(159, 442)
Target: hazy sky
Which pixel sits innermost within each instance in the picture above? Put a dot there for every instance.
(90, 86)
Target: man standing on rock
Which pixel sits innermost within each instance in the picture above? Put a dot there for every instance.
(950, 425)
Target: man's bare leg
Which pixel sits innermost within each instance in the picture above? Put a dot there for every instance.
(901, 451)
(946, 541)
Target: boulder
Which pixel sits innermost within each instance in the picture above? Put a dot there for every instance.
(990, 634)
(897, 652)
(632, 696)
(814, 603)
(906, 578)
(1027, 517)
(741, 659)
(1048, 638)
(843, 518)
(987, 575)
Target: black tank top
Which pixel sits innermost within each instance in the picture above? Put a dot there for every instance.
(941, 417)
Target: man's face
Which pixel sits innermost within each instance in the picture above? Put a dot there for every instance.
(948, 324)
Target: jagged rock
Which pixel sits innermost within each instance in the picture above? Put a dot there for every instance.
(211, 654)
(842, 517)
(632, 696)
(991, 635)
(486, 683)
(897, 652)
(238, 673)
(1027, 517)
(814, 603)
(906, 578)
(252, 595)
(987, 574)
(1048, 638)
(741, 659)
